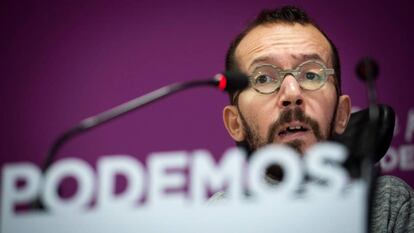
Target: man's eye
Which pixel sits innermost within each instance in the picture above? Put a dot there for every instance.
(263, 79)
(311, 76)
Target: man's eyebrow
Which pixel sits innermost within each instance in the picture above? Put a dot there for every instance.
(304, 57)
(300, 58)
(265, 59)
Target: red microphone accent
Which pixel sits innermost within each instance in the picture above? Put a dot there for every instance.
(222, 82)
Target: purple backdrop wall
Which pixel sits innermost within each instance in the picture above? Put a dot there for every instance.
(62, 61)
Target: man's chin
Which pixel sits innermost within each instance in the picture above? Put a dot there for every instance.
(297, 145)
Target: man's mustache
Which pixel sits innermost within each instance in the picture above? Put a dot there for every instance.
(290, 115)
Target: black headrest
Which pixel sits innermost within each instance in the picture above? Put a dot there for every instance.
(357, 136)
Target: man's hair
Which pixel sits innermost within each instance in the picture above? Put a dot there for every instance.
(289, 15)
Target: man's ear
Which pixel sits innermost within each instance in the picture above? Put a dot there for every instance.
(233, 123)
(343, 113)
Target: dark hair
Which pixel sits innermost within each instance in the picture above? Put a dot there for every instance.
(286, 14)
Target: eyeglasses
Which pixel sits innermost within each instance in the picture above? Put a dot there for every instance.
(311, 75)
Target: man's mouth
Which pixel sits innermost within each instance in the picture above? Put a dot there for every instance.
(293, 129)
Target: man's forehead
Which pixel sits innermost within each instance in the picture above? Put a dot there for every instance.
(282, 44)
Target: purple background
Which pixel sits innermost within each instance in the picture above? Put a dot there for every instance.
(62, 61)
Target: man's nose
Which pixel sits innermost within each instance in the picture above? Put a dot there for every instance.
(290, 93)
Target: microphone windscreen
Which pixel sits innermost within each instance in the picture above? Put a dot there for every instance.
(232, 81)
(367, 69)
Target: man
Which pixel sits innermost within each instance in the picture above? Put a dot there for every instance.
(295, 99)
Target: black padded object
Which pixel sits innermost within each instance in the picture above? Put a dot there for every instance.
(356, 136)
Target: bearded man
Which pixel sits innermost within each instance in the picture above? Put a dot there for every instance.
(295, 99)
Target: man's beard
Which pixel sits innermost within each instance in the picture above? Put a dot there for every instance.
(253, 141)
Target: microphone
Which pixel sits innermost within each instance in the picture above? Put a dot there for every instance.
(228, 81)
(231, 81)
(367, 71)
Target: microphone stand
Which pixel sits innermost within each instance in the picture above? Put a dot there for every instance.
(120, 110)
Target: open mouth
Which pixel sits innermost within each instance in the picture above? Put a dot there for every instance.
(292, 129)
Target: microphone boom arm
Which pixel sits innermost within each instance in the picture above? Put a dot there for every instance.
(120, 110)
